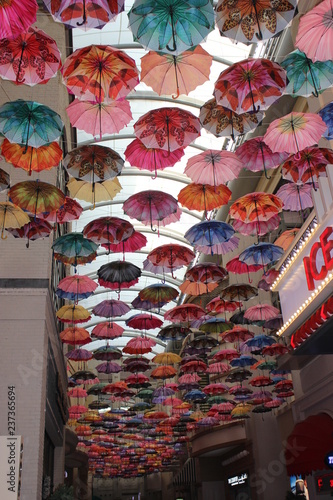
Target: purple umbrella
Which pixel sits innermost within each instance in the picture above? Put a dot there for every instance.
(111, 308)
(108, 367)
(296, 197)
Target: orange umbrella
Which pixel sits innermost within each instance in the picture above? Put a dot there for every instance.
(74, 336)
(285, 239)
(171, 74)
(34, 159)
(163, 372)
(204, 197)
(256, 207)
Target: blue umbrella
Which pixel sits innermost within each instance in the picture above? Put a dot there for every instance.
(209, 233)
(262, 253)
(260, 341)
(195, 395)
(243, 360)
(326, 114)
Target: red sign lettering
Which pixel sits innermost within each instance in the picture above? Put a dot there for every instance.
(324, 246)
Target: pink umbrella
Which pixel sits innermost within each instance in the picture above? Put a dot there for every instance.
(254, 228)
(236, 266)
(144, 322)
(76, 287)
(139, 345)
(77, 392)
(171, 256)
(69, 211)
(99, 118)
(261, 312)
(257, 156)
(315, 34)
(275, 350)
(16, 16)
(150, 206)
(33, 230)
(218, 305)
(218, 367)
(111, 308)
(228, 354)
(296, 197)
(189, 378)
(217, 388)
(135, 242)
(213, 167)
(107, 330)
(184, 313)
(152, 159)
(294, 132)
(311, 164)
(79, 355)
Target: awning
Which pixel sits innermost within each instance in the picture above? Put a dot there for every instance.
(187, 475)
(308, 444)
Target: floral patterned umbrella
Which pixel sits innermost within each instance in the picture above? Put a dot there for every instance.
(171, 256)
(11, 216)
(16, 16)
(32, 159)
(33, 230)
(308, 165)
(150, 206)
(93, 163)
(36, 196)
(296, 197)
(213, 167)
(257, 156)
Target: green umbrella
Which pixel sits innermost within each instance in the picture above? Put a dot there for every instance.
(171, 26)
(74, 249)
(305, 76)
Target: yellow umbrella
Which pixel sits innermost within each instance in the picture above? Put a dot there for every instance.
(166, 358)
(73, 314)
(94, 193)
(11, 216)
(241, 410)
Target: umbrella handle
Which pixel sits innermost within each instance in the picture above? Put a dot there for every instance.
(174, 48)
(84, 15)
(2, 234)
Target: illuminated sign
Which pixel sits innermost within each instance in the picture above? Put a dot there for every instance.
(236, 480)
(329, 460)
(10, 467)
(324, 483)
(315, 270)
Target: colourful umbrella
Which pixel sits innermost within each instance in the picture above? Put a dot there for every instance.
(257, 156)
(236, 266)
(326, 115)
(29, 123)
(275, 349)
(167, 128)
(306, 77)
(261, 312)
(169, 74)
(84, 14)
(238, 292)
(213, 167)
(74, 249)
(68, 212)
(33, 230)
(257, 228)
(108, 230)
(171, 256)
(131, 244)
(248, 21)
(118, 275)
(98, 118)
(94, 193)
(107, 353)
(108, 367)
(74, 335)
(222, 122)
(314, 32)
(16, 16)
(248, 82)
(169, 26)
(294, 132)
(150, 207)
(144, 305)
(207, 236)
(204, 197)
(76, 287)
(139, 345)
(236, 334)
(4, 180)
(215, 325)
(110, 308)
(158, 294)
(107, 330)
(11, 216)
(227, 354)
(31, 57)
(168, 358)
(36, 196)
(32, 159)
(73, 314)
(99, 73)
(184, 313)
(152, 159)
(308, 165)
(173, 332)
(144, 322)
(286, 238)
(217, 306)
(202, 278)
(79, 355)
(261, 254)
(93, 163)
(296, 197)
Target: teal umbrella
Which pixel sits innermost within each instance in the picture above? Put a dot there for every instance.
(171, 26)
(29, 123)
(305, 76)
(74, 249)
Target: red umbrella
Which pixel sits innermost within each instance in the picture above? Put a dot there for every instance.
(194, 367)
(167, 128)
(135, 242)
(137, 380)
(308, 165)
(248, 82)
(213, 167)
(261, 381)
(74, 335)
(144, 322)
(257, 228)
(33, 230)
(218, 367)
(237, 333)
(171, 256)
(184, 313)
(228, 354)
(217, 306)
(236, 266)
(150, 207)
(107, 330)
(69, 211)
(257, 156)
(139, 345)
(77, 392)
(163, 372)
(275, 350)
(217, 388)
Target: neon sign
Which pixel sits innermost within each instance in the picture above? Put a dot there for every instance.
(324, 247)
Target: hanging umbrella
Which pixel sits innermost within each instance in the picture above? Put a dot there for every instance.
(68, 212)
(249, 22)
(257, 228)
(36, 196)
(275, 349)
(33, 230)
(108, 230)
(294, 132)
(74, 335)
(248, 82)
(308, 165)
(158, 294)
(236, 334)
(195, 395)
(79, 355)
(196, 366)
(163, 372)
(98, 118)
(4, 180)
(184, 313)
(11, 216)
(108, 367)
(169, 74)
(76, 287)
(218, 306)
(16, 17)
(262, 254)
(166, 358)
(204, 197)
(169, 26)
(111, 308)
(107, 353)
(206, 274)
(167, 128)
(189, 287)
(94, 193)
(137, 380)
(314, 32)
(257, 156)
(326, 115)
(238, 318)
(77, 392)
(93, 163)
(218, 367)
(208, 236)
(171, 256)
(107, 330)
(31, 57)
(236, 266)
(227, 354)
(243, 361)
(74, 249)
(222, 122)
(213, 167)
(99, 73)
(296, 197)
(150, 206)
(118, 275)
(286, 238)
(144, 322)
(255, 207)
(261, 312)
(139, 345)
(32, 159)
(306, 77)
(144, 305)
(216, 388)
(173, 332)
(238, 375)
(261, 381)
(215, 325)
(29, 123)
(131, 244)
(238, 292)
(73, 314)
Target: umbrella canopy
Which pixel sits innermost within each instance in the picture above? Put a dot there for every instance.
(131, 244)
(262, 254)
(164, 371)
(31, 57)
(139, 345)
(215, 325)
(99, 73)
(296, 197)
(73, 314)
(255, 207)
(74, 249)
(150, 207)
(108, 230)
(16, 16)
(261, 312)
(158, 294)
(68, 212)
(248, 82)
(76, 287)
(11, 216)
(326, 115)
(144, 322)
(250, 22)
(184, 313)
(93, 163)
(286, 238)
(209, 235)
(29, 123)
(238, 267)
(74, 335)
(111, 308)
(218, 305)
(36, 196)
(107, 353)
(169, 26)
(238, 292)
(173, 332)
(107, 330)
(221, 121)
(32, 159)
(171, 74)
(257, 228)
(204, 197)
(166, 358)
(213, 167)
(171, 256)
(84, 14)
(118, 274)
(108, 367)
(93, 193)
(308, 165)
(257, 156)
(4, 180)
(167, 128)
(33, 230)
